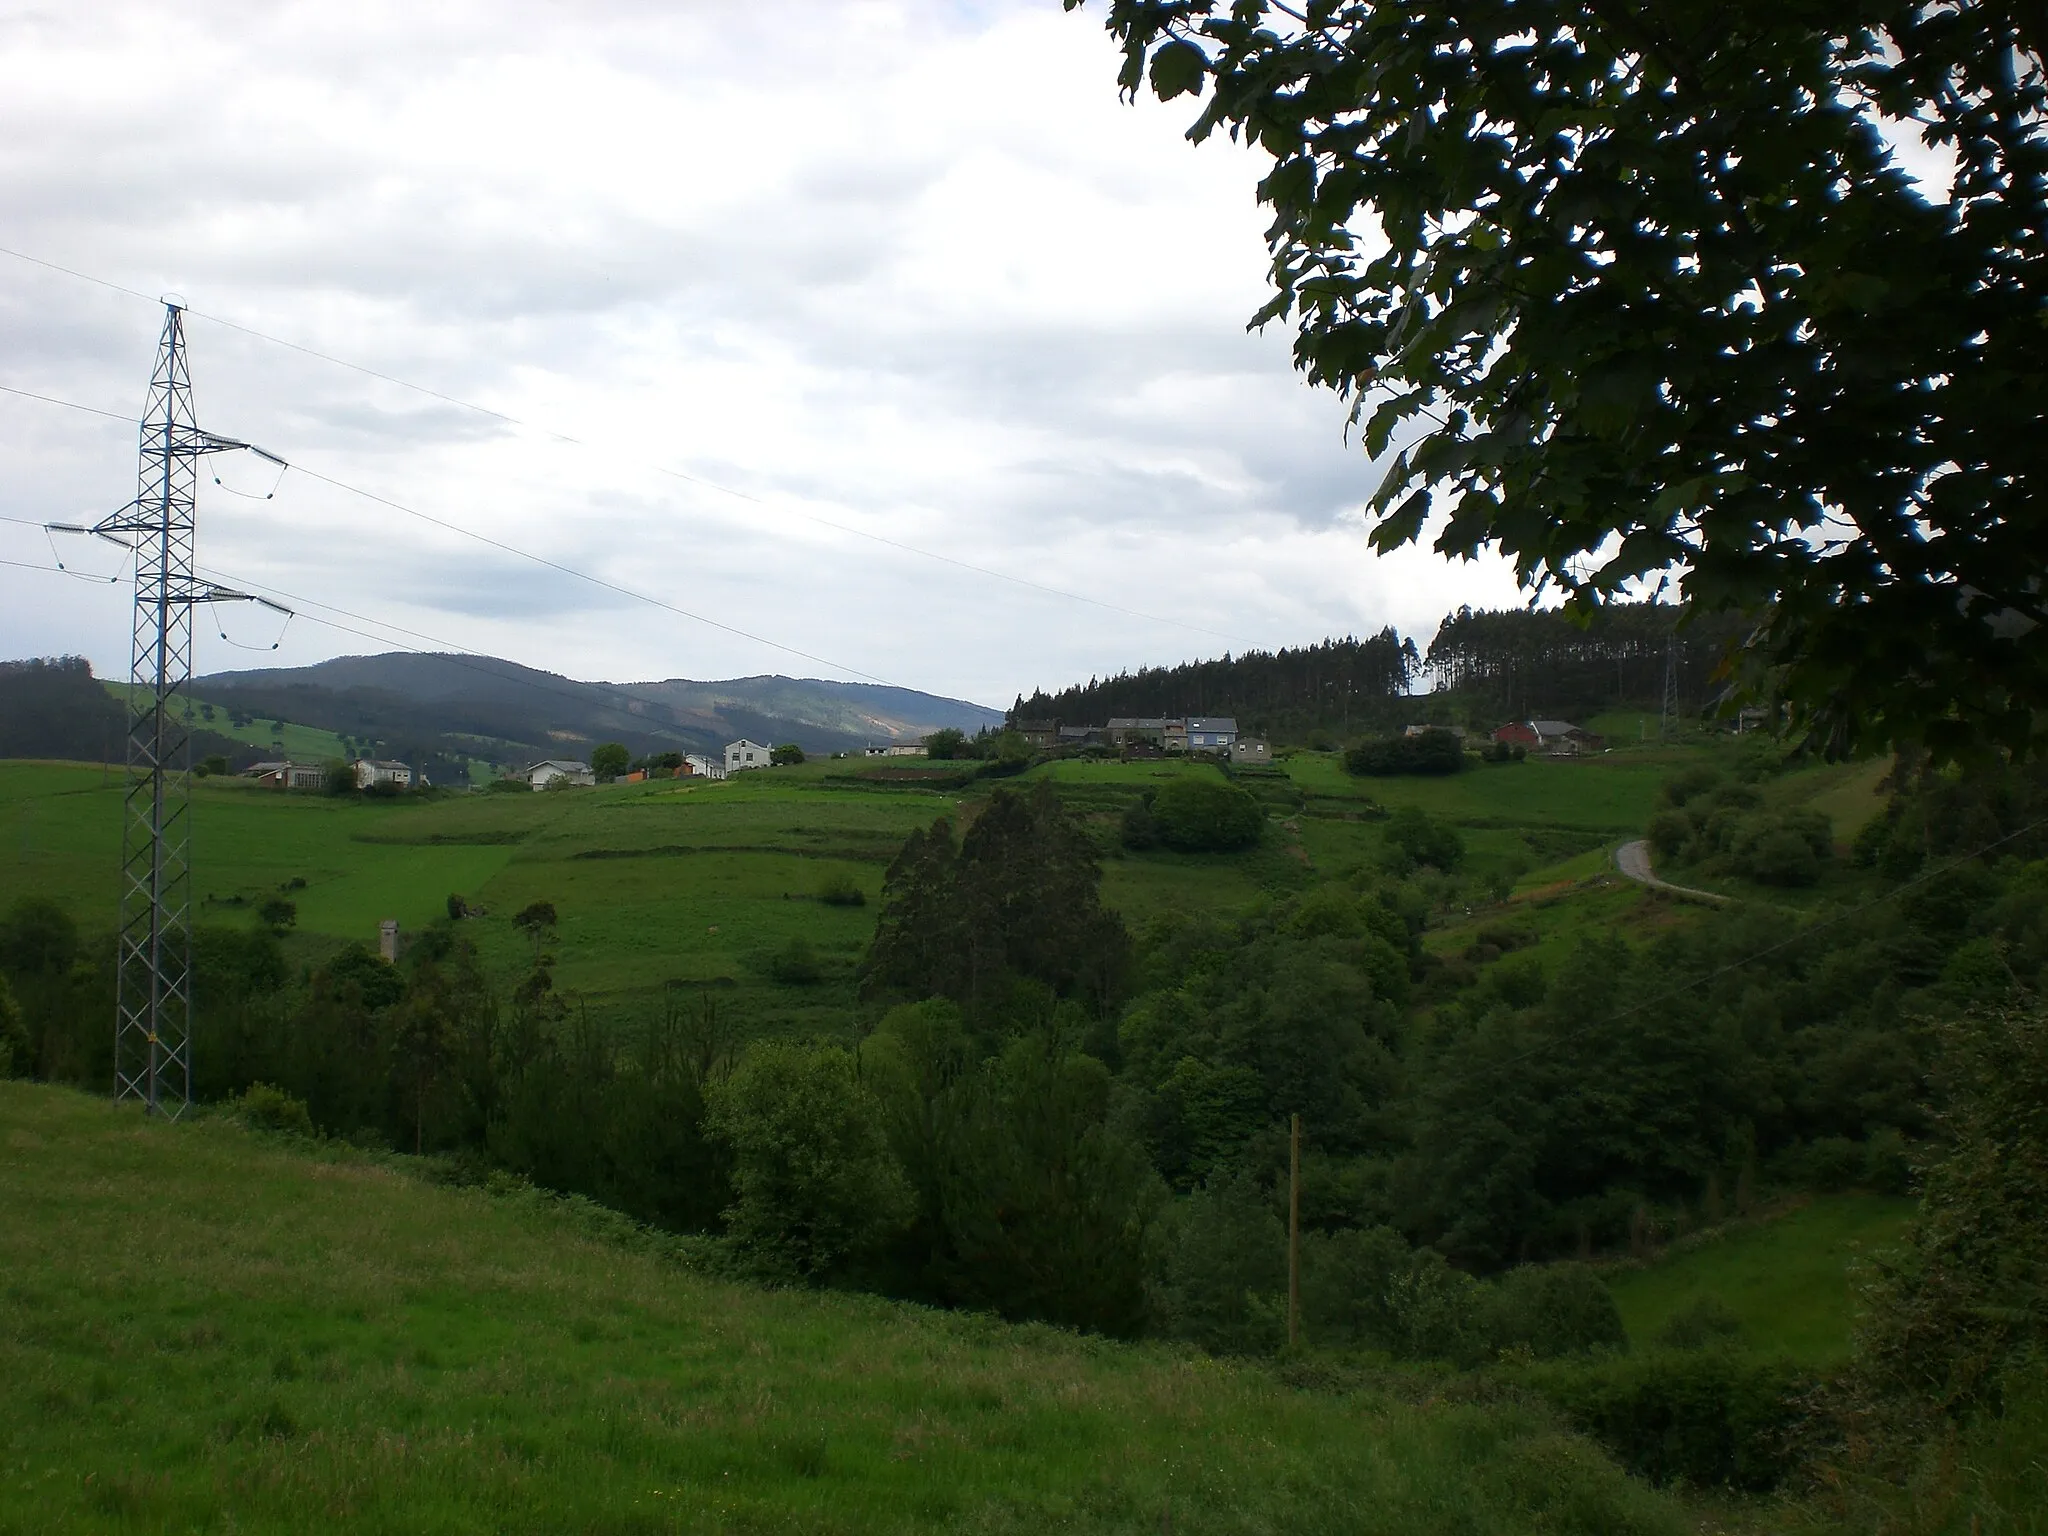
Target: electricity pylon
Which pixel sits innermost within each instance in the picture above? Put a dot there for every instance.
(153, 1005)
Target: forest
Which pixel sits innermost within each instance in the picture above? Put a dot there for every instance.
(1481, 668)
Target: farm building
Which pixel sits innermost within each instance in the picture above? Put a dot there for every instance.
(287, 775)
(1555, 738)
(1251, 750)
(744, 754)
(542, 774)
(373, 771)
(698, 766)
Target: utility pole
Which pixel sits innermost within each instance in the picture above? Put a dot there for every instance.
(1294, 1231)
(153, 1001)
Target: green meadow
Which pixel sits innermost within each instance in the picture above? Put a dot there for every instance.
(1790, 1281)
(208, 1330)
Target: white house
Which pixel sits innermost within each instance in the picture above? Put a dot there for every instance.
(371, 771)
(743, 754)
(906, 749)
(542, 774)
(697, 766)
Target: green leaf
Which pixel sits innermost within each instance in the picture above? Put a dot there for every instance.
(1177, 70)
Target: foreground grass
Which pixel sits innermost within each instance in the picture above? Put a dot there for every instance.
(1790, 1281)
(204, 1330)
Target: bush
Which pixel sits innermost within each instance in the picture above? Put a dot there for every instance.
(795, 964)
(1200, 814)
(1712, 1417)
(1433, 751)
(816, 1185)
(788, 755)
(264, 1108)
(1139, 831)
(1415, 839)
(17, 1051)
(1705, 1323)
(842, 890)
(1553, 1310)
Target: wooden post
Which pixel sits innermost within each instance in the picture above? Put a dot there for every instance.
(1294, 1232)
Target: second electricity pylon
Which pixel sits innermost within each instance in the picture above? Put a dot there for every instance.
(153, 1006)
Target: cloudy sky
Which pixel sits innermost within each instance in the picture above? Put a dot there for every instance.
(799, 315)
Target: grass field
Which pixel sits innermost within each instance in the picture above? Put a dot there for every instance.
(305, 743)
(1789, 1280)
(204, 1330)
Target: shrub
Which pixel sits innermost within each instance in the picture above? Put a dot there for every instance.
(1197, 813)
(788, 755)
(1433, 751)
(264, 1108)
(795, 964)
(815, 1183)
(1139, 831)
(1706, 1322)
(1712, 1417)
(1224, 1271)
(1552, 1310)
(842, 890)
(17, 1051)
(1415, 839)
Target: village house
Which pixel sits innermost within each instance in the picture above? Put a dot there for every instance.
(1553, 738)
(287, 775)
(1137, 730)
(1040, 735)
(1250, 751)
(1211, 733)
(743, 754)
(542, 774)
(906, 749)
(698, 766)
(1083, 736)
(372, 771)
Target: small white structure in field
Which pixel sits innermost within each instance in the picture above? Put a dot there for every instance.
(743, 754)
(371, 772)
(542, 774)
(698, 766)
(387, 940)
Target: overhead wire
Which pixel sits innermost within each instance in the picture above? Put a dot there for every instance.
(524, 554)
(661, 469)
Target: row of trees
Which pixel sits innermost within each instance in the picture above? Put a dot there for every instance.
(1334, 685)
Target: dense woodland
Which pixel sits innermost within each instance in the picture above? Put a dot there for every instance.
(1481, 668)
(1042, 1114)
(1334, 685)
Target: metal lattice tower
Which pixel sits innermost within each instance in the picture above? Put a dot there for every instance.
(153, 1006)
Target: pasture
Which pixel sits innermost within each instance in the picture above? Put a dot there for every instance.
(207, 1329)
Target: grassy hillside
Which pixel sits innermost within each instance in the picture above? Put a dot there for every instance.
(1790, 1281)
(205, 1329)
(672, 881)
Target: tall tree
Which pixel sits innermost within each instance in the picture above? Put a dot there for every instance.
(1636, 287)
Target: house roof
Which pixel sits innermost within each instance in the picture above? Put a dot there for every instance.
(745, 741)
(387, 764)
(1213, 723)
(1140, 723)
(1552, 727)
(567, 765)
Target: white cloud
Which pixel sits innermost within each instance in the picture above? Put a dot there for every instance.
(903, 267)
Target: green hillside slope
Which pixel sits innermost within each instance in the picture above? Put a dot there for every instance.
(208, 1330)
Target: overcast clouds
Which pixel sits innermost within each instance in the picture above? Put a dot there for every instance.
(912, 269)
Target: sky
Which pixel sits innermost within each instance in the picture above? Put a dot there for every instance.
(877, 341)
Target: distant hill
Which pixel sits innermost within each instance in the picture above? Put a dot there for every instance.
(54, 707)
(451, 706)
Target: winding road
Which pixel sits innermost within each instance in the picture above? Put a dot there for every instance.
(1633, 860)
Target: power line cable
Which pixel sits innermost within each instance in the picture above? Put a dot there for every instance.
(660, 469)
(524, 554)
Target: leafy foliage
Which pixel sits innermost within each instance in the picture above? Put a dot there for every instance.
(1626, 287)
(814, 1182)
(608, 761)
(1200, 814)
(1433, 751)
(787, 755)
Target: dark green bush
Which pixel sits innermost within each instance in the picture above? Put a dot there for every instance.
(17, 1051)
(1552, 1310)
(1200, 814)
(1433, 751)
(1709, 1417)
(795, 964)
(842, 890)
(1704, 1323)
